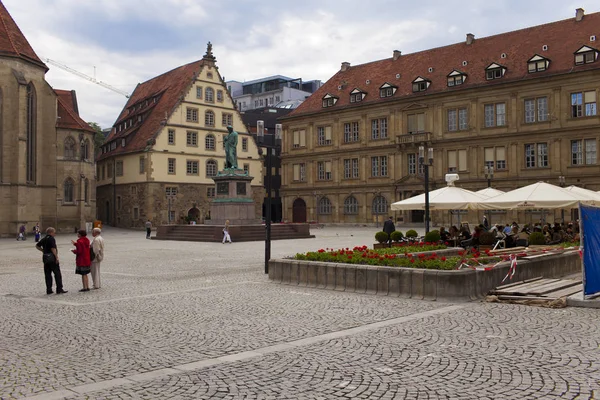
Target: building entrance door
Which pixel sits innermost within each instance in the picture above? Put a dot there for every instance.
(417, 216)
(299, 211)
(194, 214)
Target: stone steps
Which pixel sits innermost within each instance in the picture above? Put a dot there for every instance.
(238, 233)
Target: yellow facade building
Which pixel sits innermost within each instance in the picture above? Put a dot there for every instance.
(523, 102)
(158, 162)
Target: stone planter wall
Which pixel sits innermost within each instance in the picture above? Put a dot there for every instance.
(455, 285)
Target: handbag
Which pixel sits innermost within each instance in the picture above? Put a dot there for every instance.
(48, 258)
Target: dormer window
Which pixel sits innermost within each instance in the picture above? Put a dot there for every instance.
(586, 55)
(537, 63)
(420, 84)
(387, 90)
(329, 100)
(357, 95)
(494, 71)
(456, 78)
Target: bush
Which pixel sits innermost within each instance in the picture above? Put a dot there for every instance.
(381, 237)
(433, 236)
(537, 238)
(396, 236)
(487, 238)
(411, 233)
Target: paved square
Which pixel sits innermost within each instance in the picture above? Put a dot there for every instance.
(200, 321)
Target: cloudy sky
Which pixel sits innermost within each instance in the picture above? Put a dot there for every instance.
(130, 41)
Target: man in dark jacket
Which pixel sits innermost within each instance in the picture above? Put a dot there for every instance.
(48, 246)
(388, 227)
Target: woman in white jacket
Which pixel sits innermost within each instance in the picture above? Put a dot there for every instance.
(97, 247)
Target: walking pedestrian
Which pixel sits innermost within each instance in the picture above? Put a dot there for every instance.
(22, 232)
(37, 232)
(226, 236)
(148, 228)
(51, 263)
(82, 258)
(98, 252)
(389, 227)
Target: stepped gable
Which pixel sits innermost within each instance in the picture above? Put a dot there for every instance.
(562, 38)
(153, 101)
(68, 111)
(13, 42)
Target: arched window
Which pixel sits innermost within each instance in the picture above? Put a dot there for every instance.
(211, 168)
(209, 142)
(209, 118)
(85, 149)
(31, 133)
(69, 147)
(380, 205)
(69, 191)
(209, 95)
(350, 205)
(324, 206)
(86, 194)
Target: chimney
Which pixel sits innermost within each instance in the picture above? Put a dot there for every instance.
(397, 54)
(579, 14)
(345, 66)
(470, 38)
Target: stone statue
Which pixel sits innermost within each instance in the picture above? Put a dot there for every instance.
(231, 141)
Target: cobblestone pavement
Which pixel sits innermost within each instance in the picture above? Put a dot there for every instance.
(201, 321)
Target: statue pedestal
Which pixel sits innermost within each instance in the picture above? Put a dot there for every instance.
(233, 200)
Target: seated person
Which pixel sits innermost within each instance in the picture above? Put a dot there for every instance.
(499, 232)
(444, 234)
(524, 234)
(507, 229)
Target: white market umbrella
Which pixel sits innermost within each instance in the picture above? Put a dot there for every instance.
(584, 192)
(446, 198)
(537, 195)
(490, 192)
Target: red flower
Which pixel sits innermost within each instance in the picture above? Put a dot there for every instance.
(321, 251)
(443, 258)
(408, 255)
(349, 257)
(412, 260)
(434, 254)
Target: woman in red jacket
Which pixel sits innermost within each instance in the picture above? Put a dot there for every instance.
(82, 258)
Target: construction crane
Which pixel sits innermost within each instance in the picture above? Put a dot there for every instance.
(87, 77)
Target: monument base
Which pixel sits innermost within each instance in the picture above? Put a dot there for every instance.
(233, 201)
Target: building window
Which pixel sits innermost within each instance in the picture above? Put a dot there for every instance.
(247, 169)
(227, 119)
(495, 115)
(110, 170)
(209, 95)
(171, 166)
(456, 78)
(103, 172)
(420, 84)
(261, 102)
(412, 163)
(585, 55)
(356, 96)
(457, 120)
(494, 71)
(495, 157)
(324, 135)
(171, 136)
(220, 95)
(209, 142)
(255, 103)
(324, 206)
(209, 75)
(133, 189)
(351, 168)
(136, 213)
(244, 144)
(536, 110)
(457, 161)
(329, 100)
(379, 166)
(536, 155)
(351, 132)
(142, 165)
(351, 205)
(579, 147)
(379, 128)
(192, 138)
(380, 205)
(211, 168)
(192, 167)
(85, 150)
(69, 148)
(210, 192)
(199, 92)
(299, 138)
(209, 118)
(69, 191)
(324, 170)
(300, 172)
(387, 90)
(416, 123)
(191, 114)
(171, 190)
(119, 168)
(537, 64)
(119, 203)
(277, 99)
(31, 130)
(583, 104)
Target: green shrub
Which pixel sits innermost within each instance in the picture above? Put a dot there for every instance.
(537, 238)
(381, 237)
(396, 236)
(433, 236)
(487, 238)
(411, 233)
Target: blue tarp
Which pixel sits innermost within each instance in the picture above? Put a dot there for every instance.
(590, 240)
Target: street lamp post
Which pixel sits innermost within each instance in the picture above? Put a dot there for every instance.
(489, 174)
(268, 142)
(426, 164)
(561, 182)
(377, 210)
(316, 208)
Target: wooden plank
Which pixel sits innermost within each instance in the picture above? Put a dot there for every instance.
(509, 250)
(509, 297)
(519, 283)
(527, 287)
(552, 287)
(564, 292)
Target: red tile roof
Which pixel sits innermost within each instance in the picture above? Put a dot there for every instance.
(563, 39)
(13, 42)
(168, 90)
(67, 111)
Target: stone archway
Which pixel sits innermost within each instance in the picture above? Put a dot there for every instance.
(299, 211)
(194, 214)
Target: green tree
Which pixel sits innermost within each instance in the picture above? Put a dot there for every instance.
(98, 137)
